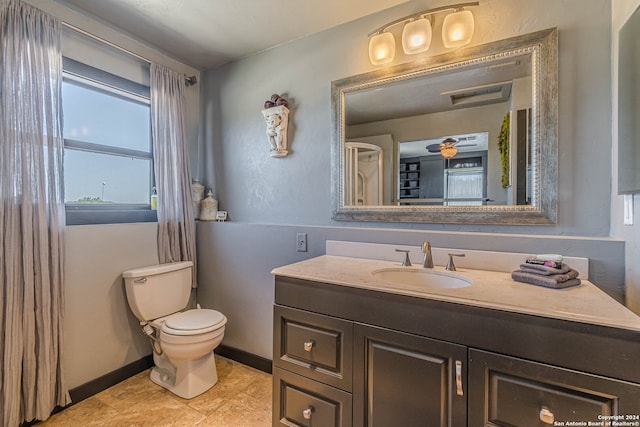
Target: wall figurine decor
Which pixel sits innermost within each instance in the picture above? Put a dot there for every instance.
(276, 115)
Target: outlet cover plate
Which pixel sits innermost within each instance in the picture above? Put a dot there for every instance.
(301, 242)
(628, 209)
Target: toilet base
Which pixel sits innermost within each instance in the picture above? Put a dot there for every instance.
(185, 378)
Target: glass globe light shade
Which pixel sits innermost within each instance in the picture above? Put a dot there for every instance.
(416, 36)
(457, 29)
(382, 48)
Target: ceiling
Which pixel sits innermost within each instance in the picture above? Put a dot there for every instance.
(470, 86)
(207, 33)
(466, 143)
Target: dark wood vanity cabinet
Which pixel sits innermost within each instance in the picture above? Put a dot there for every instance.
(354, 357)
(333, 372)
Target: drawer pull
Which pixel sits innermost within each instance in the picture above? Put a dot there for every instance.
(306, 414)
(546, 416)
(459, 390)
(308, 345)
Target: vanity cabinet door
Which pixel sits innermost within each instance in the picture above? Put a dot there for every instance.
(313, 345)
(506, 391)
(407, 380)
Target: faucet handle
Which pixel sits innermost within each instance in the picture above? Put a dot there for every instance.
(450, 266)
(406, 262)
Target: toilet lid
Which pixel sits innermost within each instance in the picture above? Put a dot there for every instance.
(199, 320)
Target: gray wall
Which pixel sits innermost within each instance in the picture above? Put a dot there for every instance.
(236, 260)
(296, 189)
(270, 199)
(621, 10)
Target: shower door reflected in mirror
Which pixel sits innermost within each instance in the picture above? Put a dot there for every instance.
(364, 174)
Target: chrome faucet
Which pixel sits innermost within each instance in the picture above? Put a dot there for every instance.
(427, 261)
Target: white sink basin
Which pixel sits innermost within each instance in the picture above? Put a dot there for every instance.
(421, 278)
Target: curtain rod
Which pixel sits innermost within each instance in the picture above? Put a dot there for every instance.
(188, 80)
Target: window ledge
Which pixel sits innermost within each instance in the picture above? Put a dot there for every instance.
(84, 215)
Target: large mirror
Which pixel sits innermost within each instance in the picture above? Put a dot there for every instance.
(469, 136)
(629, 106)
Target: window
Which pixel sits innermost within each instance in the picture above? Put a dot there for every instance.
(108, 159)
(464, 187)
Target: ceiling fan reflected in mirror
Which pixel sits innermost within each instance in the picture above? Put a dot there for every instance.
(448, 148)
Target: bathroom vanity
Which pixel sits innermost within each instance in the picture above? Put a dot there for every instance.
(351, 349)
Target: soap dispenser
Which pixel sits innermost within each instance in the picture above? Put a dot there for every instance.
(154, 199)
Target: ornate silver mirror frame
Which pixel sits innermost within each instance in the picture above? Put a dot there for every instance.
(543, 48)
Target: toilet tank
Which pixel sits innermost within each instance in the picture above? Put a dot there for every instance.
(158, 290)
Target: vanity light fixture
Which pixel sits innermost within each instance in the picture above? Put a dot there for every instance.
(416, 36)
(457, 31)
(457, 28)
(382, 48)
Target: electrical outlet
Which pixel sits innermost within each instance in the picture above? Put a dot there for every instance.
(301, 242)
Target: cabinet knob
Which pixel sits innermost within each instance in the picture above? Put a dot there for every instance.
(306, 414)
(308, 345)
(546, 416)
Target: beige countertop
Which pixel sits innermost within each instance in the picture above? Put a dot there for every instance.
(496, 290)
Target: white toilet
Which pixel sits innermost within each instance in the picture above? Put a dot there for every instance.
(183, 341)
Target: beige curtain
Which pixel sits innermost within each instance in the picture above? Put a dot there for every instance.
(176, 226)
(31, 215)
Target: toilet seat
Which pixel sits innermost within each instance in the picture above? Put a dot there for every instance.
(193, 322)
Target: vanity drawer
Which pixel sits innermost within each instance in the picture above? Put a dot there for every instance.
(299, 401)
(313, 345)
(506, 391)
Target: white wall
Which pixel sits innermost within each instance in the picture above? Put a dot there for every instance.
(100, 332)
(621, 10)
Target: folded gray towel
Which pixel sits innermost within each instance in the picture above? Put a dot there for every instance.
(544, 270)
(550, 281)
(571, 274)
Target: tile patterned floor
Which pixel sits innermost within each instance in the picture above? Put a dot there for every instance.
(241, 398)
